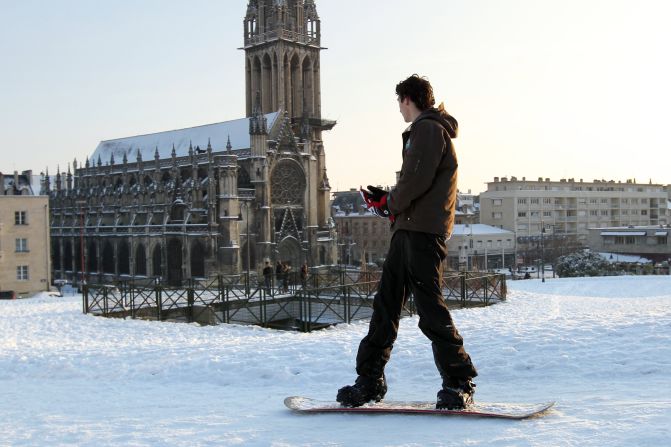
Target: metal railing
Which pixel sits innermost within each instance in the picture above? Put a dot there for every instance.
(320, 300)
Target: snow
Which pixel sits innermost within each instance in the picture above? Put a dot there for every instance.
(614, 258)
(600, 347)
(478, 229)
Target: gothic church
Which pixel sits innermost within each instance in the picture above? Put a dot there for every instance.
(215, 199)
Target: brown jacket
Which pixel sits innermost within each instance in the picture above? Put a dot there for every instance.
(425, 196)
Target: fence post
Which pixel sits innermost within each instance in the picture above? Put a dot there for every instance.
(189, 301)
(85, 296)
(462, 280)
(159, 302)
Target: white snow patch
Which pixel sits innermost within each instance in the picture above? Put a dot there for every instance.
(600, 347)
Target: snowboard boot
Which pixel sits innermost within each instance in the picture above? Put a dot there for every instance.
(456, 394)
(364, 390)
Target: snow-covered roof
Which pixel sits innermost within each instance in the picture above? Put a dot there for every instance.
(216, 134)
(623, 233)
(478, 229)
(625, 259)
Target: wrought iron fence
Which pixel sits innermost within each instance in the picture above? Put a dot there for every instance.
(305, 303)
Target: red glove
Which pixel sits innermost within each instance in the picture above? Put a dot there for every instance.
(376, 201)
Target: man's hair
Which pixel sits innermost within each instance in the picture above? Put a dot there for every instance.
(418, 90)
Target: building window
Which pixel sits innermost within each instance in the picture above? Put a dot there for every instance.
(498, 202)
(619, 240)
(644, 212)
(21, 245)
(604, 212)
(20, 218)
(547, 213)
(535, 201)
(22, 273)
(662, 240)
(521, 201)
(593, 213)
(547, 201)
(522, 214)
(497, 215)
(630, 240)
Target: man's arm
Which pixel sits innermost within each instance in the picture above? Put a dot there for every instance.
(419, 165)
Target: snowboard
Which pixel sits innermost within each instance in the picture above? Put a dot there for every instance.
(479, 409)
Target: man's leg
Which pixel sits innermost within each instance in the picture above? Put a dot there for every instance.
(425, 265)
(375, 348)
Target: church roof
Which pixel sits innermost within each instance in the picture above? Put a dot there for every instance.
(216, 134)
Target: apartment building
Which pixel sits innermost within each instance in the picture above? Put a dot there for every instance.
(570, 208)
(24, 235)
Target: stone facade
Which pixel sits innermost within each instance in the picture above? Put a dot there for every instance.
(215, 199)
(24, 236)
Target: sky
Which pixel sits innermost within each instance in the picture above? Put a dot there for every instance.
(570, 89)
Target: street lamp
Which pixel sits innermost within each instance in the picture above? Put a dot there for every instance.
(246, 206)
(81, 204)
(542, 253)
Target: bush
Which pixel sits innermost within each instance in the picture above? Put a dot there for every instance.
(583, 263)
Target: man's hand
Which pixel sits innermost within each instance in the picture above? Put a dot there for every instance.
(376, 201)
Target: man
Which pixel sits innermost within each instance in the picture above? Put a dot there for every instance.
(421, 207)
(268, 277)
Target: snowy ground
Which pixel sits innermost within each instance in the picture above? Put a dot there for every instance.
(600, 347)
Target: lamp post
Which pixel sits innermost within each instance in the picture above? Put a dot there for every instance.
(246, 206)
(542, 253)
(81, 204)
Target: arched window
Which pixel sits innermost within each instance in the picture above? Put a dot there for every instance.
(108, 258)
(124, 258)
(197, 259)
(92, 258)
(140, 260)
(156, 261)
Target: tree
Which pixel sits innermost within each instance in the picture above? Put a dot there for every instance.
(582, 263)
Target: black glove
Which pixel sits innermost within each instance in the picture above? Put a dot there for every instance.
(376, 201)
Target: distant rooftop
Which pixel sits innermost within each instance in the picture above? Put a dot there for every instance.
(216, 134)
(24, 184)
(571, 180)
(478, 229)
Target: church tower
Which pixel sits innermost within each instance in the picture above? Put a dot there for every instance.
(282, 46)
(287, 164)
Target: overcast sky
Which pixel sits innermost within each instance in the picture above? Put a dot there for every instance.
(559, 89)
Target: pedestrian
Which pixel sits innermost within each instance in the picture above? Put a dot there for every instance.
(268, 277)
(285, 276)
(421, 208)
(304, 274)
(279, 269)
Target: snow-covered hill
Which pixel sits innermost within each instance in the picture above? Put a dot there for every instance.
(600, 347)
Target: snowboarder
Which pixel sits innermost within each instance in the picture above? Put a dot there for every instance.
(421, 208)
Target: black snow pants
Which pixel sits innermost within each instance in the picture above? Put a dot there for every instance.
(413, 265)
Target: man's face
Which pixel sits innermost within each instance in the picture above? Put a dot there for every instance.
(404, 108)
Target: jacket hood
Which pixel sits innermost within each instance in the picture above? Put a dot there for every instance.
(445, 119)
